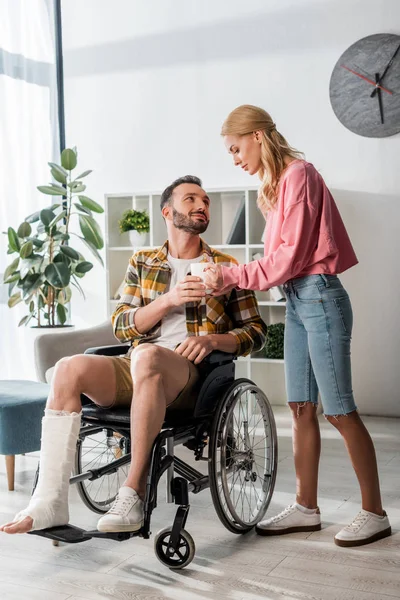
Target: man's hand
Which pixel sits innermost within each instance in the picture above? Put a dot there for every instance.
(191, 289)
(197, 347)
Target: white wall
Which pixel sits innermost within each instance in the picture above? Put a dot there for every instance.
(148, 85)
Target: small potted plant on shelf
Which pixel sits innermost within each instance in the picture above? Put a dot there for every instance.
(137, 222)
(46, 265)
(274, 344)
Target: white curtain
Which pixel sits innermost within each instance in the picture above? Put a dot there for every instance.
(28, 141)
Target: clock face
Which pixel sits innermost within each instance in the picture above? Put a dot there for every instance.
(370, 62)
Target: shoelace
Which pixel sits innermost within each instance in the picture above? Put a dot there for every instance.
(284, 513)
(358, 522)
(121, 506)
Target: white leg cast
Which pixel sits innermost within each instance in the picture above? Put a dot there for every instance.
(48, 506)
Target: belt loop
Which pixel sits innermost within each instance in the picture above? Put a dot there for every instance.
(324, 277)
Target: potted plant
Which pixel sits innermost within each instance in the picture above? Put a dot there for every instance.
(47, 266)
(275, 341)
(137, 222)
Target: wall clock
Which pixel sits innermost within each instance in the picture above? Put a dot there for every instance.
(365, 86)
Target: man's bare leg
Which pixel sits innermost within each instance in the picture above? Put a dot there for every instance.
(80, 374)
(159, 375)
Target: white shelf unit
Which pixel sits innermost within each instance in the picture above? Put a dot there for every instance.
(225, 203)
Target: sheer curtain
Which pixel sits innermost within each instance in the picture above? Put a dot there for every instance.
(28, 140)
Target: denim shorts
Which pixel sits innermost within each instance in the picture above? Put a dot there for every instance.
(318, 326)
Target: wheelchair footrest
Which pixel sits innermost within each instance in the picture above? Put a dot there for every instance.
(74, 535)
(64, 533)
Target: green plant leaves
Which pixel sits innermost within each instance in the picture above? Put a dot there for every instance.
(26, 250)
(70, 252)
(11, 269)
(57, 274)
(24, 320)
(58, 173)
(84, 174)
(58, 217)
(91, 231)
(31, 283)
(45, 268)
(13, 240)
(33, 217)
(83, 267)
(24, 230)
(14, 299)
(61, 313)
(135, 219)
(77, 187)
(52, 190)
(93, 250)
(47, 216)
(82, 209)
(58, 168)
(64, 296)
(91, 204)
(68, 159)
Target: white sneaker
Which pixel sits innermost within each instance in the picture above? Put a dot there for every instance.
(126, 514)
(290, 520)
(367, 527)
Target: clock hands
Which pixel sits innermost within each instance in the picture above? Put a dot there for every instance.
(378, 91)
(378, 82)
(374, 83)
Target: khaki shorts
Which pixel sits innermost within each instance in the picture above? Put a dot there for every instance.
(185, 401)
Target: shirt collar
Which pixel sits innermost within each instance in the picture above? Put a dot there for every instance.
(162, 253)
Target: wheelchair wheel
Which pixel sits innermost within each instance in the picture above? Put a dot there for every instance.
(98, 447)
(182, 556)
(243, 456)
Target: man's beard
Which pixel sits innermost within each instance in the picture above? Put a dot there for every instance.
(188, 224)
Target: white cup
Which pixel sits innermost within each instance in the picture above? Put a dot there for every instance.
(197, 270)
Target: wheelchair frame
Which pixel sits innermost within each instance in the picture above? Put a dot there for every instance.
(219, 374)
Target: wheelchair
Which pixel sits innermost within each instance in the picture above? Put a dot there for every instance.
(232, 428)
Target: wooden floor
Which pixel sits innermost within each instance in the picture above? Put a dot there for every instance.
(297, 566)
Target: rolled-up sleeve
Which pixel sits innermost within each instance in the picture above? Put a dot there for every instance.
(123, 318)
(250, 330)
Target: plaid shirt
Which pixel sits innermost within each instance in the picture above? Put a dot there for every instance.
(148, 277)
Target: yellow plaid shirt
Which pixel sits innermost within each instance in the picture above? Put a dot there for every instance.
(148, 277)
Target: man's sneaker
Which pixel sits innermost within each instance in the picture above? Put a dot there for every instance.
(126, 514)
(290, 520)
(367, 527)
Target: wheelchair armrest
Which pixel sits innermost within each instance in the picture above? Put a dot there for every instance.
(216, 356)
(116, 350)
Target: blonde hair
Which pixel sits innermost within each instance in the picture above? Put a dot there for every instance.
(247, 119)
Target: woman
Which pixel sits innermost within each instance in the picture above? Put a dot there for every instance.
(306, 246)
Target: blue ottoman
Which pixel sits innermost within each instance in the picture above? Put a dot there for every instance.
(22, 405)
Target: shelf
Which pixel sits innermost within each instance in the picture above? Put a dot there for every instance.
(279, 361)
(256, 246)
(270, 303)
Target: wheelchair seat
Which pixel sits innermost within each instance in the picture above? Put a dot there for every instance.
(216, 372)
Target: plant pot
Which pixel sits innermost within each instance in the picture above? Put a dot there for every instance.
(137, 239)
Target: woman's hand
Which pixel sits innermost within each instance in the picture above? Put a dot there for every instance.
(213, 278)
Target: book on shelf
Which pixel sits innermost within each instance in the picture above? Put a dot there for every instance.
(276, 293)
(237, 234)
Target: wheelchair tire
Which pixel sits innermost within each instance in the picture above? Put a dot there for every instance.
(243, 456)
(97, 447)
(179, 559)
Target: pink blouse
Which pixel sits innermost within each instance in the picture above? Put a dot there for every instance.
(305, 235)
